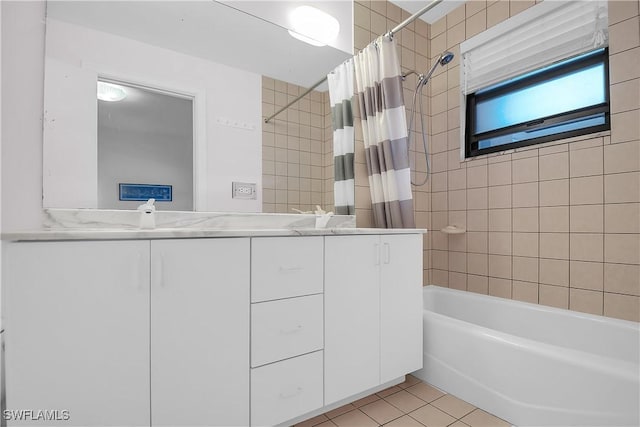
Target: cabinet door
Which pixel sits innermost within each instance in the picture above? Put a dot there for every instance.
(400, 305)
(77, 330)
(352, 304)
(200, 332)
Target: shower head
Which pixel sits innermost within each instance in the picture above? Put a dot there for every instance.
(445, 58)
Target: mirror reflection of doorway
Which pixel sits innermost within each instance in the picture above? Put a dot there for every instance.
(145, 137)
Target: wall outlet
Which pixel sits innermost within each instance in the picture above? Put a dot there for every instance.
(243, 190)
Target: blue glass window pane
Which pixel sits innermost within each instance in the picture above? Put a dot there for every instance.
(582, 123)
(582, 88)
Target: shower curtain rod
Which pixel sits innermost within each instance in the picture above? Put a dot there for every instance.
(400, 26)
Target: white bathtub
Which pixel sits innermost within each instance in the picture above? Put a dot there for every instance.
(529, 364)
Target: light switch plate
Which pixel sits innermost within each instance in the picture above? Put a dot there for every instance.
(244, 190)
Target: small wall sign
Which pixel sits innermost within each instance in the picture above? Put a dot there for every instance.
(144, 192)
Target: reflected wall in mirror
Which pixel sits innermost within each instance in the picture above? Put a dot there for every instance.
(227, 61)
(144, 136)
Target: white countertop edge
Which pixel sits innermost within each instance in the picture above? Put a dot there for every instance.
(190, 233)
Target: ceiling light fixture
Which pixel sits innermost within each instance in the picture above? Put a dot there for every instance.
(110, 92)
(313, 26)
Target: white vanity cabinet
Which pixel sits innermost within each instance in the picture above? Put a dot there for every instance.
(133, 333)
(199, 332)
(373, 306)
(76, 319)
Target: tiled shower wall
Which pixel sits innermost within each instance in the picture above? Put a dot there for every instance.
(295, 168)
(556, 224)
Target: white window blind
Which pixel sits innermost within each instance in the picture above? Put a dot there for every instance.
(546, 33)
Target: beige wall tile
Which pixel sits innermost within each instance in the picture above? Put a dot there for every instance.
(622, 248)
(499, 173)
(499, 243)
(554, 245)
(586, 191)
(554, 272)
(619, 10)
(455, 35)
(624, 96)
(624, 35)
(554, 296)
(622, 306)
(500, 287)
(624, 66)
(500, 266)
(500, 220)
(518, 6)
(586, 162)
(476, 23)
(525, 244)
(525, 195)
(477, 241)
(586, 275)
(622, 187)
(554, 193)
(525, 170)
(587, 247)
(457, 280)
(478, 284)
(477, 264)
(622, 218)
(623, 157)
(586, 301)
(477, 176)
(457, 179)
(477, 198)
(622, 279)
(525, 269)
(457, 200)
(525, 291)
(500, 197)
(440, 277)
(456, 16)
(525, 219)
(624, 126)
(554, 219)
(497, 12)
(587, 219)
(439, 201)
(477, 220)
(457, 262)
(554, 166)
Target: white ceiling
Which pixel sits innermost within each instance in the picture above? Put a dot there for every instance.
(412, 6)
(217, 32)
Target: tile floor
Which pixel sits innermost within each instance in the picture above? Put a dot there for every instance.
(412, 403)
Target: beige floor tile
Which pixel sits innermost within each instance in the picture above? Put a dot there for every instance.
(365, 400)
(453, 406)
(355, 418)
(459, 424)
(328, 423)
(313, 421)
(425, 392)
(381, 411)
(405, 401)
(431, 416)
(480, 418)
(388, 391)
(341, 410)
(409, 381)
(405, 421)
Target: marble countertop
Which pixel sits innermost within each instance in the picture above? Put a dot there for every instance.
(191, 233)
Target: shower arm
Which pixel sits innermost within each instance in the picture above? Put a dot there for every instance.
(391, 33)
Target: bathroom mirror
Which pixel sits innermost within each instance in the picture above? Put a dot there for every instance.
(216, 55)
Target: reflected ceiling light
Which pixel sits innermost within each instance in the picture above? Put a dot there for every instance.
(110, 92)
(313, 26)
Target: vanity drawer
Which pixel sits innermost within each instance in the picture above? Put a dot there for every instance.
(284, 390)
(286, 328)
(283, 267)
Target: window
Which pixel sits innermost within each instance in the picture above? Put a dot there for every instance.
(563, 100)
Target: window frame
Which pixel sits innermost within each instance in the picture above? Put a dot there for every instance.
(517, 83)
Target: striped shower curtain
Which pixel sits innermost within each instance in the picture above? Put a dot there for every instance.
(384, 128)
(340, 93)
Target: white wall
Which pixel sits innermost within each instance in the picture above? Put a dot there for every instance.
(77, 55)
(22, 88)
